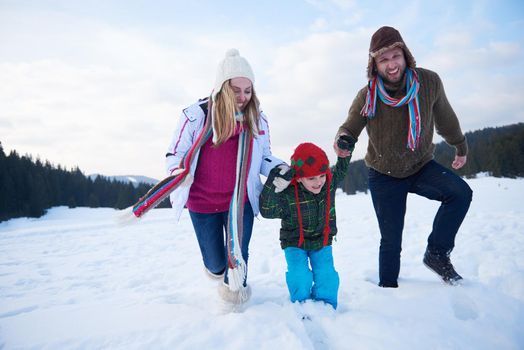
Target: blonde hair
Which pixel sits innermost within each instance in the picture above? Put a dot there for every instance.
(224, 109)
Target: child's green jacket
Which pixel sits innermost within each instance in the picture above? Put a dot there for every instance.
(312, 206)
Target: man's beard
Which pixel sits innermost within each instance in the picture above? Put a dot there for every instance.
(391, 84)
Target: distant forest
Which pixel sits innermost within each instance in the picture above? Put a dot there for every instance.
(28, 187)
(498, 152)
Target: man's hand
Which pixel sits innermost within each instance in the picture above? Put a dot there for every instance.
(344, 145)
(459, 162)
(283, 178)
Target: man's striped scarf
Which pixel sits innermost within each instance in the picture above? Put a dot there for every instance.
(237, 266)
(376, 87)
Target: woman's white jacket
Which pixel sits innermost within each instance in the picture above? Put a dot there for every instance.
(190, 124)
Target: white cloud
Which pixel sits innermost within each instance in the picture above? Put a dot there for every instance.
(75, 115)
(489, 105)
(319, 24)
(453, 40)
(505, 50)
(312, 84)
(110, 99)
(483, 80)
(339, 4)
(106, 97)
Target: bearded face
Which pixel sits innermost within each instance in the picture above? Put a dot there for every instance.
(391, 65)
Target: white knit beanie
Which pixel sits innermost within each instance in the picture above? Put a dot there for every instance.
(232, 66)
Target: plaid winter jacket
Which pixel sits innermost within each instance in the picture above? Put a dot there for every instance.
(312, 206)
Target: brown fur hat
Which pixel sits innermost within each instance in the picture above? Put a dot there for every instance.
(384, 39)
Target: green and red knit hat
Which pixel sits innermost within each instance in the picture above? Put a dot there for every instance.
(309, 160)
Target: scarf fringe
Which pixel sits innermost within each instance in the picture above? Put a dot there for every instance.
(126, 217)
(237, 276)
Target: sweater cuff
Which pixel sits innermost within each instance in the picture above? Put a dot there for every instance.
(462, 148)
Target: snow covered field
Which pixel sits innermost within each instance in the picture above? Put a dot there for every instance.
(73, 279)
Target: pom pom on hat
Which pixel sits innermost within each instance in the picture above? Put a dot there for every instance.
(232, 66)
(309, 160)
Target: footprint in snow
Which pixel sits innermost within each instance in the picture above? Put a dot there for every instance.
(463, 306)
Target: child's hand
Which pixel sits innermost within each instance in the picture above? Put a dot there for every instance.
(344, 146)
(346, 142)
(283, 178)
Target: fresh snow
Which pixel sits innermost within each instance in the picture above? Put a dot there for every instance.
(74, 279)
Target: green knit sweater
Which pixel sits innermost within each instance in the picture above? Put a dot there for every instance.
(387, 152)
(312, 207)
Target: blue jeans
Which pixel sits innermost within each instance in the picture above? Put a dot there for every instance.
(210, 231)
(389, 196)
(320, 284)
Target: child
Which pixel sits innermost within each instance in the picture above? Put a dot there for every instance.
(307, 210)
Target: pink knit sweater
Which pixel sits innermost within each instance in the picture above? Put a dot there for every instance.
(214, 180)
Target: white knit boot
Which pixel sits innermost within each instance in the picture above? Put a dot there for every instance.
(213, 276)
(238, 297)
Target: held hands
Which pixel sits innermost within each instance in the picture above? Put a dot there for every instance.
(346, 142)
(283, 178)
(344, 145)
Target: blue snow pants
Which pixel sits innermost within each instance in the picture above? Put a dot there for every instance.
(318, 283)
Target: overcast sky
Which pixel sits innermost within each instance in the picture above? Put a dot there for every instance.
(100, 84)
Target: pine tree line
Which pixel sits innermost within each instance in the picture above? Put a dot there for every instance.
(496, 151)
(28, 187)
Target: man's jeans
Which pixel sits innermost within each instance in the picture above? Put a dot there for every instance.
(389, 196)
(210, 231)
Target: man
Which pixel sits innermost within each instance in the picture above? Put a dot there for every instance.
(400, 108)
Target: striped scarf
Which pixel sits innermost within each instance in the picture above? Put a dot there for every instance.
(237, 266)
(376, 86)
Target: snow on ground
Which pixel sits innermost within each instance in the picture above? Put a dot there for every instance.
(74, 279)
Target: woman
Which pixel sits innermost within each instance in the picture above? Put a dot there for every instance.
(227, 138)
